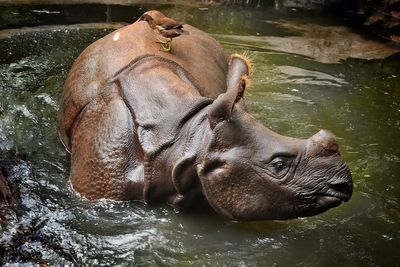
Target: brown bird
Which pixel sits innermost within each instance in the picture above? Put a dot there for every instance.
(166, 26)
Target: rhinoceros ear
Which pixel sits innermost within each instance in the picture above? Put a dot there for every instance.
(221, 109)
(239, 67)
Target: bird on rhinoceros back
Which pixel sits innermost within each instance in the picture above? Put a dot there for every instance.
(167, 27)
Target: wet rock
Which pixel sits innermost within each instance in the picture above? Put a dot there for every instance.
(10, 203)
(381, 17)
(6, 197)
(9, 196)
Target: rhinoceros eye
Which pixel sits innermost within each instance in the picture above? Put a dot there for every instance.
(279, 166)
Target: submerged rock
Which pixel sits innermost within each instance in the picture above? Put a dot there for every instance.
(326, 44)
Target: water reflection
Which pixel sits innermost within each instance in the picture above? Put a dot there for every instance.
(293, 94)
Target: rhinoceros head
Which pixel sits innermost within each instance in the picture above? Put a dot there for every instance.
(250, 172)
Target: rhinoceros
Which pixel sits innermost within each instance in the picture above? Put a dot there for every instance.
(147, 125)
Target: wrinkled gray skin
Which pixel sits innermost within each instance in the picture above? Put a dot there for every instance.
(142, 124)
(249, 172)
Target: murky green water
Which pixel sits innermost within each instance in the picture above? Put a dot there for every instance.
(293, 93)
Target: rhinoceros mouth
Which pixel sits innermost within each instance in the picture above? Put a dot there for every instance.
(328, 201)
(317, 204)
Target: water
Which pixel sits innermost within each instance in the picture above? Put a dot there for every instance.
(294, 92)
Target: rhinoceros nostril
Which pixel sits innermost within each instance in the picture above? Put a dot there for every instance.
(339, 187)
(344, 189)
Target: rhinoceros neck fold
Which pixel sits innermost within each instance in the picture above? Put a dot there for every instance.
(184, 142)
(162, 98)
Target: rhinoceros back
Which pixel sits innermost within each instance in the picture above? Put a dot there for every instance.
(199, 54)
